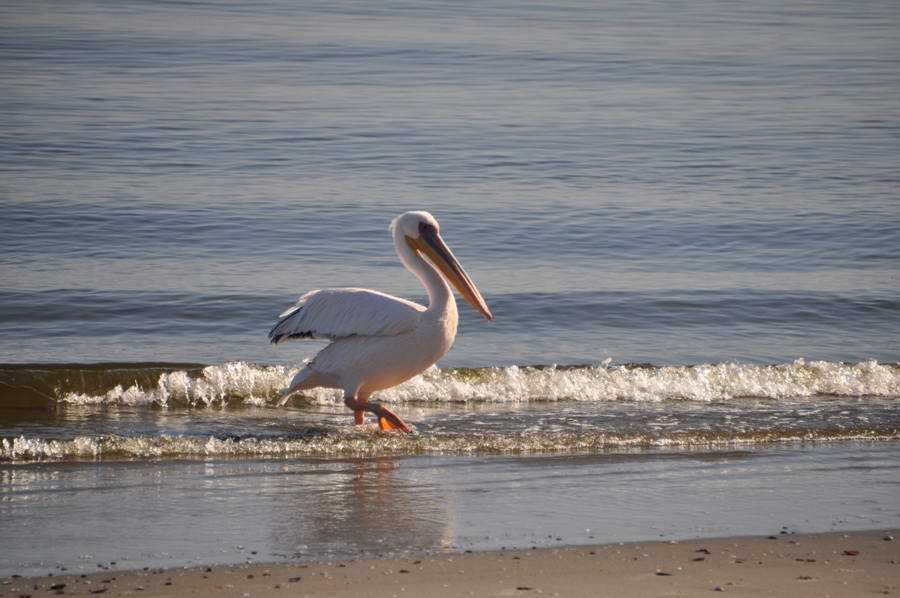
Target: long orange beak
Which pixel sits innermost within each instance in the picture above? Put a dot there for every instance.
(431, 244)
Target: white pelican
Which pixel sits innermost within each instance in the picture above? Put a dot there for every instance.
(379, 341)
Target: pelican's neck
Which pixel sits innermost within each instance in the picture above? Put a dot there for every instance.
(440, 297)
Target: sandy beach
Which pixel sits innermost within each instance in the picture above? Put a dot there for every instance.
(835, 564)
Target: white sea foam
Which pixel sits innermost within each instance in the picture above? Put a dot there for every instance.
(695, 383)
(339, 441)
(253, 385)
(232, 382)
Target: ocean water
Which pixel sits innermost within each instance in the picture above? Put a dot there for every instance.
(684, 216)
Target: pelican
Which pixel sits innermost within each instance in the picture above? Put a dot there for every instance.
(379, 341)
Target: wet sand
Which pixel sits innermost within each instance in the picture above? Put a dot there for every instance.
(834, 564)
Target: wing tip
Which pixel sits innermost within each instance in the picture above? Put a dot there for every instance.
(278, 336)
(277, 339)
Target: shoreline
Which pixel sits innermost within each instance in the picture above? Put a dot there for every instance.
(829, 564)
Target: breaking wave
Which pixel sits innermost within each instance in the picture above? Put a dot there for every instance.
(506, 410)
(257, 386)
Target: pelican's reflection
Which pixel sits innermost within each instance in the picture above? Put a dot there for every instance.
(345, 508)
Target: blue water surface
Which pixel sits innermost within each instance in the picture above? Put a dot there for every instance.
(673, 183)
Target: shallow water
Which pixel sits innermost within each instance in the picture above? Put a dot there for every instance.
(173, 513)
(683, 216)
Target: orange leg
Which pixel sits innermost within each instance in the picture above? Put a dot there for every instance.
(359, 414)
(387, 420)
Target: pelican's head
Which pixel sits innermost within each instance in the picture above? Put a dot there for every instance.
(421, 232)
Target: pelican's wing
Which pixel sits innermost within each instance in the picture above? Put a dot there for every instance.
(338, 313)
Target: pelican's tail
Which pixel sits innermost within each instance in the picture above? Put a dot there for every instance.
(304, 379)
(284, 397)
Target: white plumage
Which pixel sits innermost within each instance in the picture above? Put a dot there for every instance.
(379, 340)
(338, 313)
